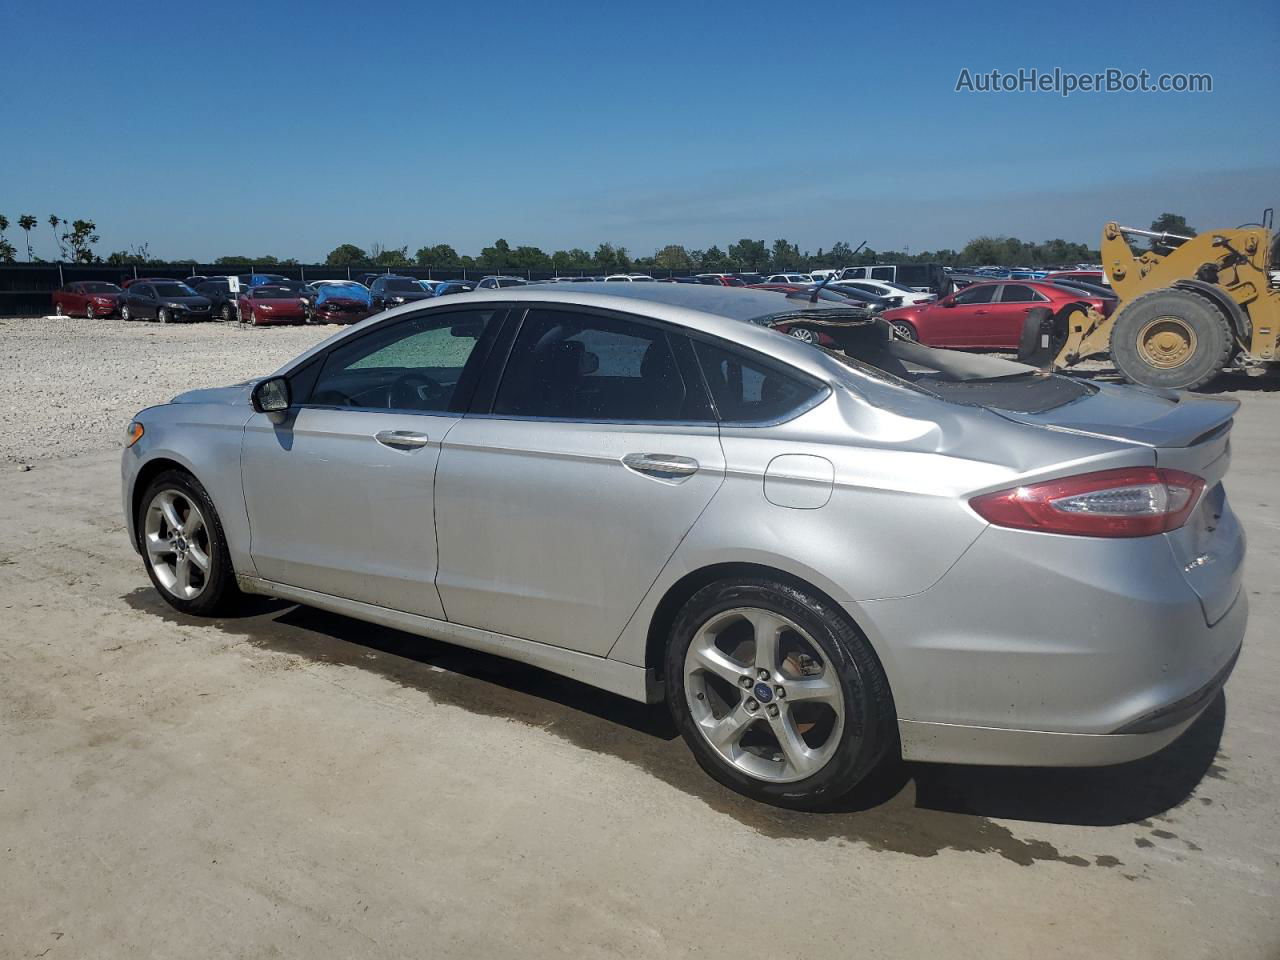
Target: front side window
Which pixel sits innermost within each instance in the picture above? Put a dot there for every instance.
(882, 273)
(748, 391)
(978, 294)
(424, 363)
(579, 366)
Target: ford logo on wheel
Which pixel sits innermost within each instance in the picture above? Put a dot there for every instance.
(763, 692)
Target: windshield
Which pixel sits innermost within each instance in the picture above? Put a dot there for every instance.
(273, 292)
(403, 286)
(344, 290)
(174, 290)
(101, 288)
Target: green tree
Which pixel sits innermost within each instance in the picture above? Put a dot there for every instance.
(56, 221)
(576, 260)
(673, 257)
(611, 259)
(497, 256)
(346, 255)
(441, 256)
(714, 260)
(80, 240)
(752, 255)
(28, 222)
(529, 258)
(783, 255)
(7, 250)
(389, 256)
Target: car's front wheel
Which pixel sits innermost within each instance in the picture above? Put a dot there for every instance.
(184, 547)
(777, 693)
(228, 314)
(125, 313)
(163, 315)
(905, 330)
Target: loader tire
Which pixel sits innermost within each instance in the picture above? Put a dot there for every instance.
(1171, 338)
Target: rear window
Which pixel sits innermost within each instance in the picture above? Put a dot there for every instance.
(747, 391)
(410, 286)
(274, 293)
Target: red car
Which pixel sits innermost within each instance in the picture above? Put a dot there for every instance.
(90, 298)
(271, 304)
(986, 315)
(1088, 276)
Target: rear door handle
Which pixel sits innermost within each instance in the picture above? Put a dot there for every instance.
(401, 439)
(661, 466)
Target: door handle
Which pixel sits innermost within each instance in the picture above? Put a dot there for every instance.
(401, 439)
(661, 466)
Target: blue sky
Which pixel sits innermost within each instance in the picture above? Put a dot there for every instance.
(287, 129)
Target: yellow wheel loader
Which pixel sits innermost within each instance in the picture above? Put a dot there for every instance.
(1188, 308)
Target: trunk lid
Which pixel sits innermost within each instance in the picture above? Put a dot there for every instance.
(1186, 432)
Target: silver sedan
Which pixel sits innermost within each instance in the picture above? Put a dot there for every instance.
(819, 559)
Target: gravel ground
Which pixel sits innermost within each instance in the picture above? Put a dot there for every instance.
(71, 385)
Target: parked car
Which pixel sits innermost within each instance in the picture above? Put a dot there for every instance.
(789, 278)
(92, 298)
(258, 279)
(222, 301)
(1092, 289)
(1096, 277)
(195, 280)
(988, 315)
(921, 277)
(497, 283)
(165, 300)
(391, 291)
(898, 295)
(130, 281)
(446, 287)
(629, 277)
(341, 302)
(271, 303)
(719, 279)
(750, 278)
(829, 292)
(655, 492)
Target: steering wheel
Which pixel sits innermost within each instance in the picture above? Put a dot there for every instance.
(417, 391)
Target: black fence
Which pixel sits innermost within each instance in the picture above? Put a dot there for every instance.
(26, 289)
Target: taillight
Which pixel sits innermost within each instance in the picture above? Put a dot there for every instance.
(1129, 502)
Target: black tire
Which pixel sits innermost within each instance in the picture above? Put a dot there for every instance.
(220, 594)
(870, 727)
(125, 313)
(88, 311)
(1184, 310)
(163, 315)
(227, 313)
(57, 310)
(905, 329)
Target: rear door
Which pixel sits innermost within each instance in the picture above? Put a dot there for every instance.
(559, 501)
(340, 490)
(1007, 316)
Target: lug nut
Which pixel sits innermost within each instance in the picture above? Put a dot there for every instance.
(773, 709)
(762, 674)
(752, 706)
(779, 691)
(745, 683)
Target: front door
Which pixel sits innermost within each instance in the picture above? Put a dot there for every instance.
(556, 511)
(340, 491)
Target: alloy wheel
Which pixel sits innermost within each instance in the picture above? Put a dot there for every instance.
(804, 335)
(88, 311)
(163, 315)
(176, 541)
(763, 695)
(904, 330)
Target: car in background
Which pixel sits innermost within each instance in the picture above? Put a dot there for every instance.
(258, 279)
(828, 292)
(750, 278)
(679, 280)
(446, 287)
(1098, 277)
(271, 303)
(90, 298)
(390, 291)
(340, 301)
(130, 281)
(985, 315)
(719, 279)
(498, 282)
(789, 278)
(898, 295)
(221, 298)
(922, 277)
(195, 280)
(165, 300)
(1091, 289)
(629, 278)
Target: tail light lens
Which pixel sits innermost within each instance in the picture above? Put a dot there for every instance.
(1130, 502)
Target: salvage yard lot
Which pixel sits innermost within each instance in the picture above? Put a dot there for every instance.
(290, 782)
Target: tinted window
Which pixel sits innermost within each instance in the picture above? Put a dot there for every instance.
(403, 286)
(580, 366)
(414, 364)
(882, 273)
(95, 287)
(174, 290)
(978, 294)
(1019, 293)
(747, 391)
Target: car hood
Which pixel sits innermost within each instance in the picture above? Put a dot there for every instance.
(232, 396)
(1151, 417)
(187, 301)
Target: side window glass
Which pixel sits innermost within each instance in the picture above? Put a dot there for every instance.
(1018, 293)
(980, 294)
(415, 364)
(747, 391)
(568, 365)
(882, 273)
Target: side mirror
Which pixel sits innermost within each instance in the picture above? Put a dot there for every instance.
(271, 396)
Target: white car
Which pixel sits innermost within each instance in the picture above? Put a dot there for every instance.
(789, 278)
(889, 290)
(629, 277)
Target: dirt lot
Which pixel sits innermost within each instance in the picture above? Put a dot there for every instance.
(296, 784)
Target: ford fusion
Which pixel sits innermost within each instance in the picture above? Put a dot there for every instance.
(817, 559)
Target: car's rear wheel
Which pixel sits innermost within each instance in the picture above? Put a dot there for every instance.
(905, 330)
(57, 310)
(777, 693)
(184, 547)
